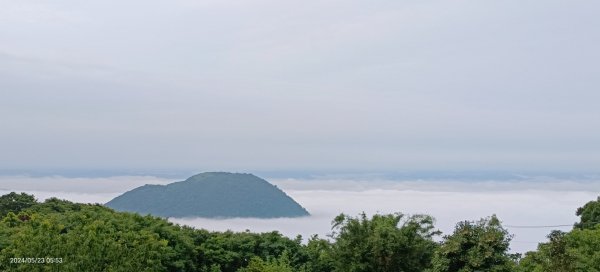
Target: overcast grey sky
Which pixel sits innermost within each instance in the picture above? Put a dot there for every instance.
(282, 85)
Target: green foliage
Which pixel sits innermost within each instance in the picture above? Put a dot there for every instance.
(584, 246)
(320, 255)
(553, 256)
(15, 203)
(590, 215)
(577, 250)
(382, 243)
(475, 246)
(281, 264)
(232, 251)
(95, 238)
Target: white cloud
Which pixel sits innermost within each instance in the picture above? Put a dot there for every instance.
(527, 208)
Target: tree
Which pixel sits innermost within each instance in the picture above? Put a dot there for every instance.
(553, 256)
(577, 250)
(232, 251)
(15, 203)
(383, 243)
(475, 246)
(590, 215)
(319, 255)
(92, 238)
(584, 247)
(281, 264)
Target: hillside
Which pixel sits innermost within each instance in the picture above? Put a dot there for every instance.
(213, 194)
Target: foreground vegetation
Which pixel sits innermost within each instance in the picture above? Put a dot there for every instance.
(58, 235)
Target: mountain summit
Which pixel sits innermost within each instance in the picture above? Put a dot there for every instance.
(212, 194)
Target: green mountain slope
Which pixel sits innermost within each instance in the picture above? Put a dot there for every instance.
(212, 194)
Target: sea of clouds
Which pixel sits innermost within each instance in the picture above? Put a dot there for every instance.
(520, 203)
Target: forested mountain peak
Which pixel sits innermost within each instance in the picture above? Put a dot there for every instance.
(211, 194)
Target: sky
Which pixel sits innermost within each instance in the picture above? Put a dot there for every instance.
(289, 85)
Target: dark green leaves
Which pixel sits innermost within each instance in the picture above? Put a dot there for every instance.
(475, 246)
(390, 242)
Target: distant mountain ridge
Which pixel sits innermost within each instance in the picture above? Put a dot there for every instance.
(211, 195)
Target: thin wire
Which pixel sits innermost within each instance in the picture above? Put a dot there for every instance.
(524, 242)
(537, 227)
(544, 226)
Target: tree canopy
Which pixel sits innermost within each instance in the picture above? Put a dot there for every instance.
(589, 215)
(69, 236)
(383, 243)
(13, 202)
(475, 246)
